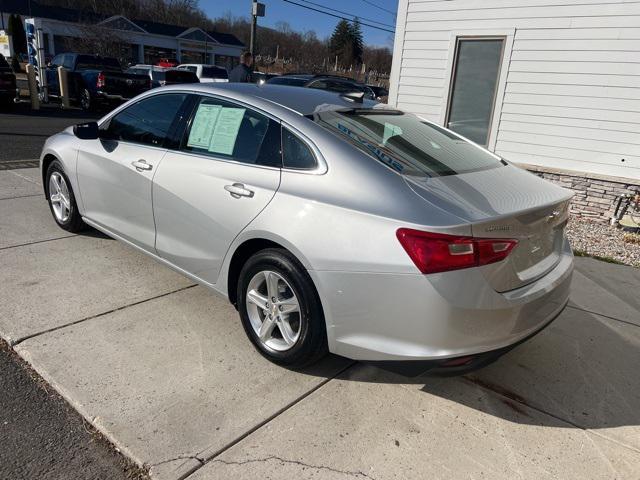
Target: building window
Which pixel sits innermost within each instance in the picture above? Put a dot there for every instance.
(474, 83)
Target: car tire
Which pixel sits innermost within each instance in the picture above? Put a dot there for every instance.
(86, 102)
(297, 338)
(62, 200)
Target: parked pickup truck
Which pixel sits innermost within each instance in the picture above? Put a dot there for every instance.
(95, 80)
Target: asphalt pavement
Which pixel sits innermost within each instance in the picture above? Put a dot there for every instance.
(23, 131)
(42, 437)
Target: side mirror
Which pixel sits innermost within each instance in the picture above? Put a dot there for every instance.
(86, 131)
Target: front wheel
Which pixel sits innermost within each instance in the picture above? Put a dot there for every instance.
(62, 201)
(280, 309)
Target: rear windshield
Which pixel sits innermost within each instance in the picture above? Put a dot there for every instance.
(88, 62)
(138, 71)
(213, 72)
(407, 144)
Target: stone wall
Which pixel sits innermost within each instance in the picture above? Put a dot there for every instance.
(595, 197)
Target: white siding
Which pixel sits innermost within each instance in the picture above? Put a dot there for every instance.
(572, 85)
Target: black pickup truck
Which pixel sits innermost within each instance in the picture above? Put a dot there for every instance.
(94, 80)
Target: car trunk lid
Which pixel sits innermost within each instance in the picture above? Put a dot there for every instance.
(509, 203)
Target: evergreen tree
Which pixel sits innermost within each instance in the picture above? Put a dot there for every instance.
(357, 42)
(340, 42)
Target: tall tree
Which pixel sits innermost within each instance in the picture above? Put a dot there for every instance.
(340, 43)
(357, 42)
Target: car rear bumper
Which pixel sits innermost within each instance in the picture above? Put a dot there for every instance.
(396, 317)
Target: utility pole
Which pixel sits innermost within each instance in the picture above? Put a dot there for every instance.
(257, 10)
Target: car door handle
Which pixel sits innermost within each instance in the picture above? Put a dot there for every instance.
(141, 165)
(238, 190)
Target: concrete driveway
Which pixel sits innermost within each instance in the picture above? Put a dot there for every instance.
(162, 367)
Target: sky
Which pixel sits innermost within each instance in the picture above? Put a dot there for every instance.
(301, 19)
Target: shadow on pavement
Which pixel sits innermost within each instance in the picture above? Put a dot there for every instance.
(582, 369)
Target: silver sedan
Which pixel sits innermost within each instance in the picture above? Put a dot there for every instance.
(332, 223)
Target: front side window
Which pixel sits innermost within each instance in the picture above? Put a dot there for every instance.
(148, 121)
(230, 131)
(407, 144)
(295, 153)
(67, 61)
(57, 61)
(473, 90)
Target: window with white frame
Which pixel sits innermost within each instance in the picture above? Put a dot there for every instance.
(474, 82)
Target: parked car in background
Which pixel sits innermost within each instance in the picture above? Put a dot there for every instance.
(161, 76)
(261, 77)
(94, 80)
(381, 93)
(292, 80)
(7, 83)
(332, 83)
(207, 73)
(330, 223)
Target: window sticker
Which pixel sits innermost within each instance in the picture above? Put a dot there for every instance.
(390, 130)
(226, 130)
(203, 124)
(397, 166)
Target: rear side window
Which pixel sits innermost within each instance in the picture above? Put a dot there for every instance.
(148, 121)
(296, 154)
(230, 131)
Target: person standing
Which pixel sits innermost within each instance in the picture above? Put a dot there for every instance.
(242, 73)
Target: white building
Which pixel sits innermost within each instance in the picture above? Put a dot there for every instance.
(553, 85)
(141, 41)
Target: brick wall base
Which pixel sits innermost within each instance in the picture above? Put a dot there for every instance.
(595, 196)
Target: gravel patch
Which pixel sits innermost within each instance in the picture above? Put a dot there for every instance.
(602, 240)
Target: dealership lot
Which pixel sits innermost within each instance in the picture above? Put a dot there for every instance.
(162, 367)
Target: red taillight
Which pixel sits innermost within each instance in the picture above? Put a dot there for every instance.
(438, 252)
(100, 81)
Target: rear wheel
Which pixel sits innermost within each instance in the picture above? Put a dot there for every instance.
(62, 201)
(280, 309)
(86, 102)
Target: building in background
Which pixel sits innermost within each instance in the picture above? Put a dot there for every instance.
(138, 41)
(553, 86)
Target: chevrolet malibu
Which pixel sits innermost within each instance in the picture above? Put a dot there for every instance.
(332, 223)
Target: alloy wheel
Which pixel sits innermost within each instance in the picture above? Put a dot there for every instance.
(59, 197)
(274, 310)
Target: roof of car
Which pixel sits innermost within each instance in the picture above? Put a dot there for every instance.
(301, 100)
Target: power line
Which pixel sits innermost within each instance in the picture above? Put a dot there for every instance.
(381, 8)
(338, 16)
(347, 13)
